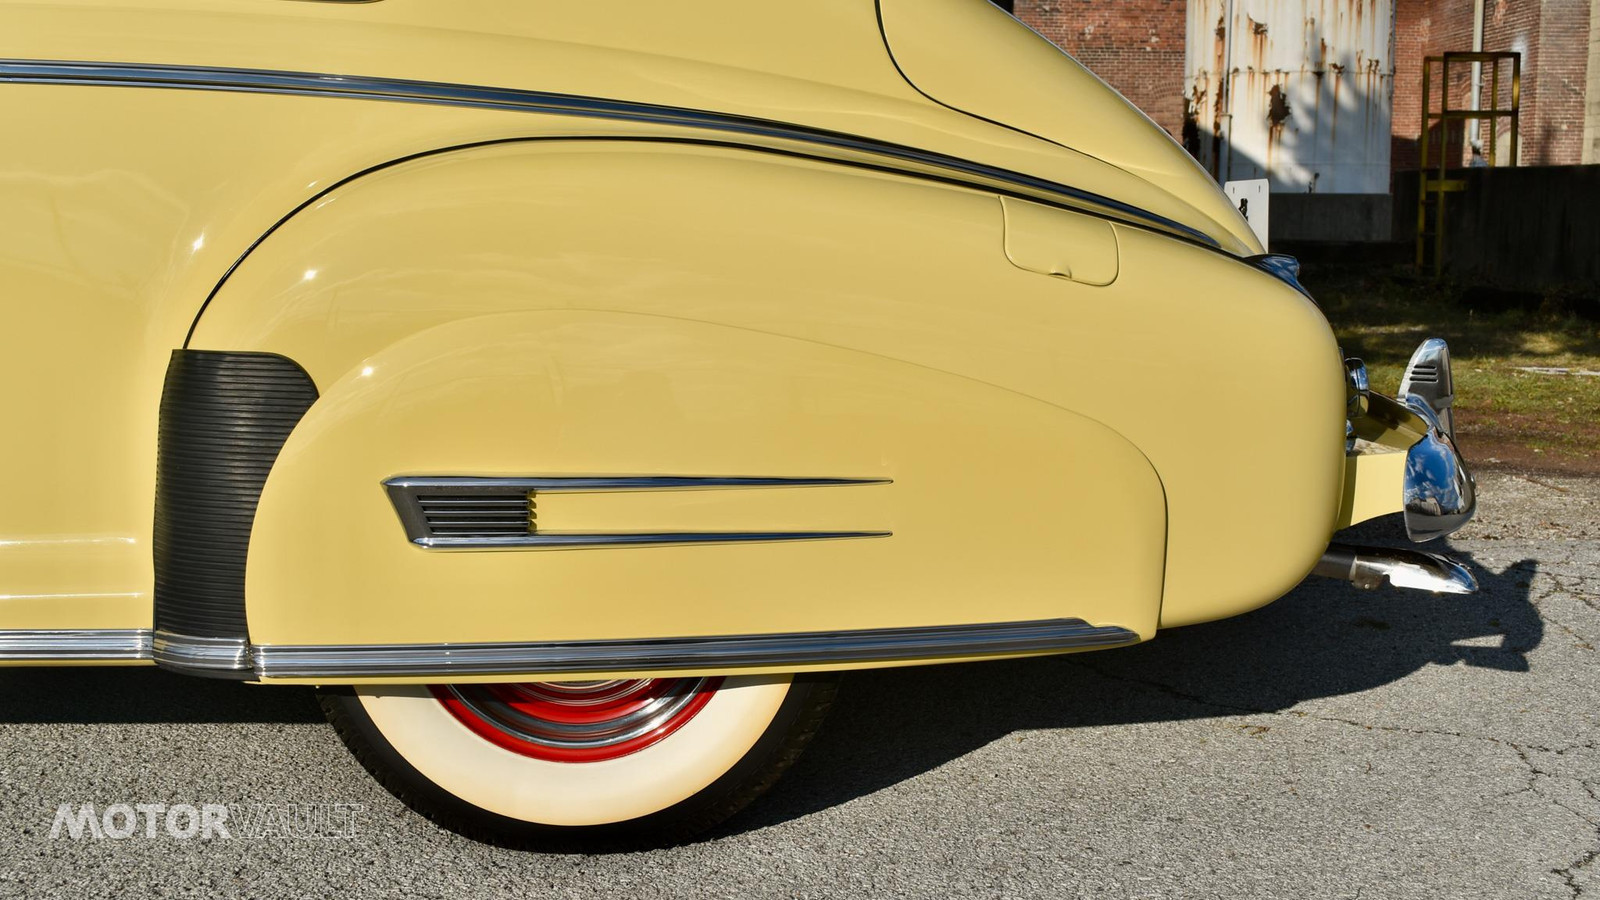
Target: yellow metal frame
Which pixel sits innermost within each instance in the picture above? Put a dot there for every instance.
(1437, 187)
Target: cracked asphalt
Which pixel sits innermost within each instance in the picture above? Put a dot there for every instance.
(1333, 744)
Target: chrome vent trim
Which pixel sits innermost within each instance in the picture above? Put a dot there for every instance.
(1424, 374)
(710, 652)
(1427, 377)
(478, 513)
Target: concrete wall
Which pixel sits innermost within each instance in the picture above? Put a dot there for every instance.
(1330, 218)
(1525, 228)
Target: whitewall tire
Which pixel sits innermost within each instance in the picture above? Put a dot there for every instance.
(621, 762)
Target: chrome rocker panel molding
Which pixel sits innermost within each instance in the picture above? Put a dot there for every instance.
(260, 81)
(209, 657)
(405, 493)
(74, 644)
(228, 658)
(712, 652)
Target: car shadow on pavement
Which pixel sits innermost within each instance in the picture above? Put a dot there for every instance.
(1324, 638)
(889, 725)
(142, 695)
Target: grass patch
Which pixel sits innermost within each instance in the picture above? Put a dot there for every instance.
(1503, 415)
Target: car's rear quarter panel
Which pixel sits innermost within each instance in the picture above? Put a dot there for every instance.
(887, 281)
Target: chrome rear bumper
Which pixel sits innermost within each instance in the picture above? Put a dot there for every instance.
(1438, 495)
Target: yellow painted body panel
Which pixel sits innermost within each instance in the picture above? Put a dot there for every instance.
(108, 247)
(887, 266)
(588, 298)
(820, 63)
(982, 478)
(976, 58)
(1373, 485)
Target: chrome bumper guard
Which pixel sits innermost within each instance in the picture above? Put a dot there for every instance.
(1439, 495)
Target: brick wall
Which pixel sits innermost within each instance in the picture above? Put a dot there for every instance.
(1426, 28)
(1136, 46)
(1591, 123)
(1555, 136)
(1552, 37)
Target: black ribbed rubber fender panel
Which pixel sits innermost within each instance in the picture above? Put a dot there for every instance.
(224, 417)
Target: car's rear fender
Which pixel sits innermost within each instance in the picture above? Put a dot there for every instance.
(495, 313)
(962, 503)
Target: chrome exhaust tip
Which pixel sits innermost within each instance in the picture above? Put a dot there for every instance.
(1375, 567)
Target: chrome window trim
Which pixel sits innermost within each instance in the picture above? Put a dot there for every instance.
(265, 81)
(405, 491)
(74, 644)
(707, 653)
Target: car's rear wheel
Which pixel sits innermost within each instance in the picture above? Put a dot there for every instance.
(580, 764)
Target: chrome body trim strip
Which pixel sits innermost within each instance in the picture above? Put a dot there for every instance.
(556, 539)
(74, 644)
(406, 493)
(210, 657)
(572, 484)
(209, 78)
(1283, 267)
(708, 653)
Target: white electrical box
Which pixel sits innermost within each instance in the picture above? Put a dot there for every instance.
(1250, 198)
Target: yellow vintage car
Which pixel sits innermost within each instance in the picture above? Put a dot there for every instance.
(571, 390)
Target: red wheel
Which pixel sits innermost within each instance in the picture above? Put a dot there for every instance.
(578, 721)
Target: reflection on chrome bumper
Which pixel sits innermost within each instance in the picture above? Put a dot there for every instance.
(1440, 496)
(1437, 495)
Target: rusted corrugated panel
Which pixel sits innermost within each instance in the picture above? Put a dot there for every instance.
(1296, 91)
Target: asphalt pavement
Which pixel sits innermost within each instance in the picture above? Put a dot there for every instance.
(1336, 743)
